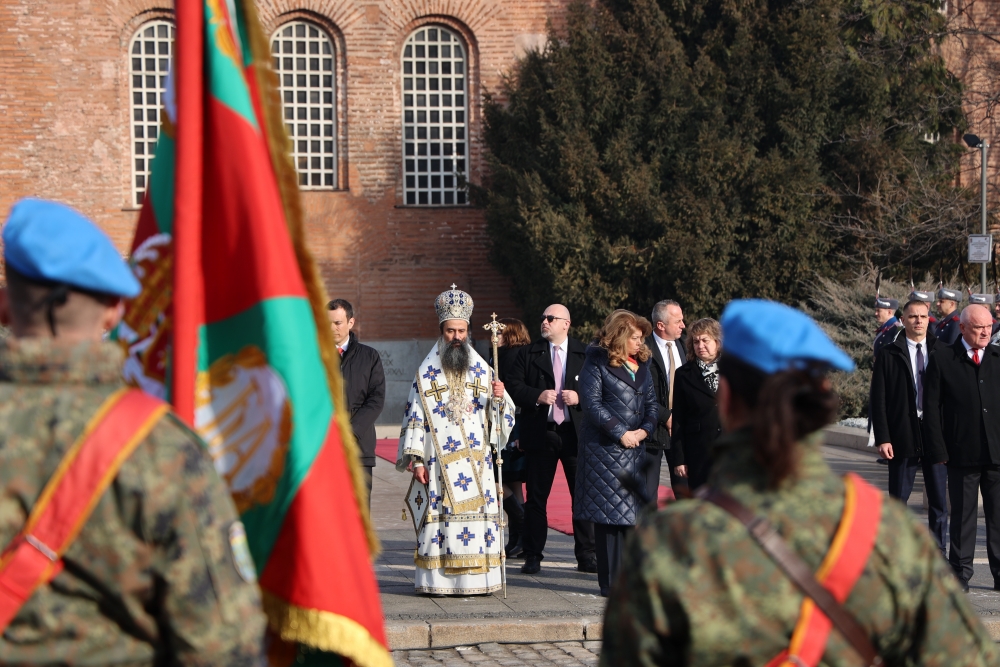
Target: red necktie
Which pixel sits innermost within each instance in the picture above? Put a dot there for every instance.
(975, 357)
(341, 350)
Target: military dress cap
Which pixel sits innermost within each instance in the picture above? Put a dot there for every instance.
(981, 299)
(453, 305)
(49, 242)
(883, 302)
(949, 294)
(919, 295)
(773, 337)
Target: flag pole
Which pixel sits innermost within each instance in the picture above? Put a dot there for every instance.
(495, 328)
(188, 297)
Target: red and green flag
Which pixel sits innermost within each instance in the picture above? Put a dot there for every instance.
(231, 329)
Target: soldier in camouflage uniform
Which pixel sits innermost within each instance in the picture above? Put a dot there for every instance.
(151, 579)
(695, 589)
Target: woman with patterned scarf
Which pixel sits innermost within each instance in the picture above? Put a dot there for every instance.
(696, 415)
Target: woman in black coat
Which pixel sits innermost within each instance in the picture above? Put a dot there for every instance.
(512, 341)
(619, 408)
(696, 415)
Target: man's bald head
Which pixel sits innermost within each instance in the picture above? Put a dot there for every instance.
(976, 325)
(555, 323)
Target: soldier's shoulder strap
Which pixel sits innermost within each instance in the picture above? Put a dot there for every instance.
(845, 562)
(34, 557)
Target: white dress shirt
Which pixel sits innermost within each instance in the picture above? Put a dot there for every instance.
(562, 350)
(665, 353)
(343, 348)
(968, 351)
(911, 347)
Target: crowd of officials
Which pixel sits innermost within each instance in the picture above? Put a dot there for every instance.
(610, 412)
(775, 560)
(935, 407)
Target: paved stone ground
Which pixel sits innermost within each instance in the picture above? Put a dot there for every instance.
(563, 654)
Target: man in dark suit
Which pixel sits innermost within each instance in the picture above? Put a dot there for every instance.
(364, 382)
(543, 382)
(668, 356)
(897, 412)
(962, 424)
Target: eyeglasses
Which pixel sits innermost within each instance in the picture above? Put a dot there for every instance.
(550, 318)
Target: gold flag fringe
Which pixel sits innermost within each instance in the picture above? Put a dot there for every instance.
(325, 631)
(280, 148)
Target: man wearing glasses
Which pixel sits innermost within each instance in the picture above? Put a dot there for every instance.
(962, 422)
(543, 384)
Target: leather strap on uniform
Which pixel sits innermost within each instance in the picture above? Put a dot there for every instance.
(34, 557)
(845, 561)
(841, 568)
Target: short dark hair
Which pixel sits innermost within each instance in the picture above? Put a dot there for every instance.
(913, 301)
(342, 303)
(34, 302)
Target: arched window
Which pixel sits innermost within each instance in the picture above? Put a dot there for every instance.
(435, 117)
(149, 54)
(303, 58)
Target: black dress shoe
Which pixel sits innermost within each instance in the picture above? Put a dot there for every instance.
(531, 566)
(589, 566)
(605, 592)
(964, 585)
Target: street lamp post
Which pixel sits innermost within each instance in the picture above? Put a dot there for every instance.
(972, 141)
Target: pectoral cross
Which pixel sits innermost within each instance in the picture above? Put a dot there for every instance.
(477, 387)
(436, 390)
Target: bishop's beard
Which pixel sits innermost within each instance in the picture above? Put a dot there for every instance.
(455, 358)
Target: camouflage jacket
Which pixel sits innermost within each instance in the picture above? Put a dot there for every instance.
(695, 589)
(151, 578)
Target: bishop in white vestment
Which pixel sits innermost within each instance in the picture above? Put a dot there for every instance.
(450, 425)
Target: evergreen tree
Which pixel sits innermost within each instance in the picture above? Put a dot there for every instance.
(693, 149)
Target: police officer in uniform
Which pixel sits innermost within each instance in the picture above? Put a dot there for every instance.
(885, 315)
(697, 588)
(159, 573)
(947, 303)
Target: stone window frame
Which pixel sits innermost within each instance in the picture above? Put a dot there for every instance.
(141, 130)
(272, 23)
(315, 98)
(467, 40)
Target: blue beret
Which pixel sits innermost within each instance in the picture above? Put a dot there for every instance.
(50, 242)
(773, 337)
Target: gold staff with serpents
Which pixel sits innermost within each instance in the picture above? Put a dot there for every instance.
(495, 328)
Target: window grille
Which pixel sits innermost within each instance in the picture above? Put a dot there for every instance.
(435, 117)
(149, 55)
(303, 58)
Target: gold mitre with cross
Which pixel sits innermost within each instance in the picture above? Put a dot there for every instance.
(453, 305)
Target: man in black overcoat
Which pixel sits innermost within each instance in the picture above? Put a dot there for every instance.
(897, 413)
(550, 422)
(962, 427)
(364, 382)
(668, 356)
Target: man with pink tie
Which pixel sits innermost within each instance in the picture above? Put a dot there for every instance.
(543, 383)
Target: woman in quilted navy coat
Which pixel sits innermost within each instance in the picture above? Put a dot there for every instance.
(619, 407)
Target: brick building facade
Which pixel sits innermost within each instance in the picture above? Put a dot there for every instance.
(75, 74)
(384, 101)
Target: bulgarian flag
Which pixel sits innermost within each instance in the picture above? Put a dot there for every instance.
(231, 329)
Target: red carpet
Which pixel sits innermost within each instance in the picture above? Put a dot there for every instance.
(560, 506)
